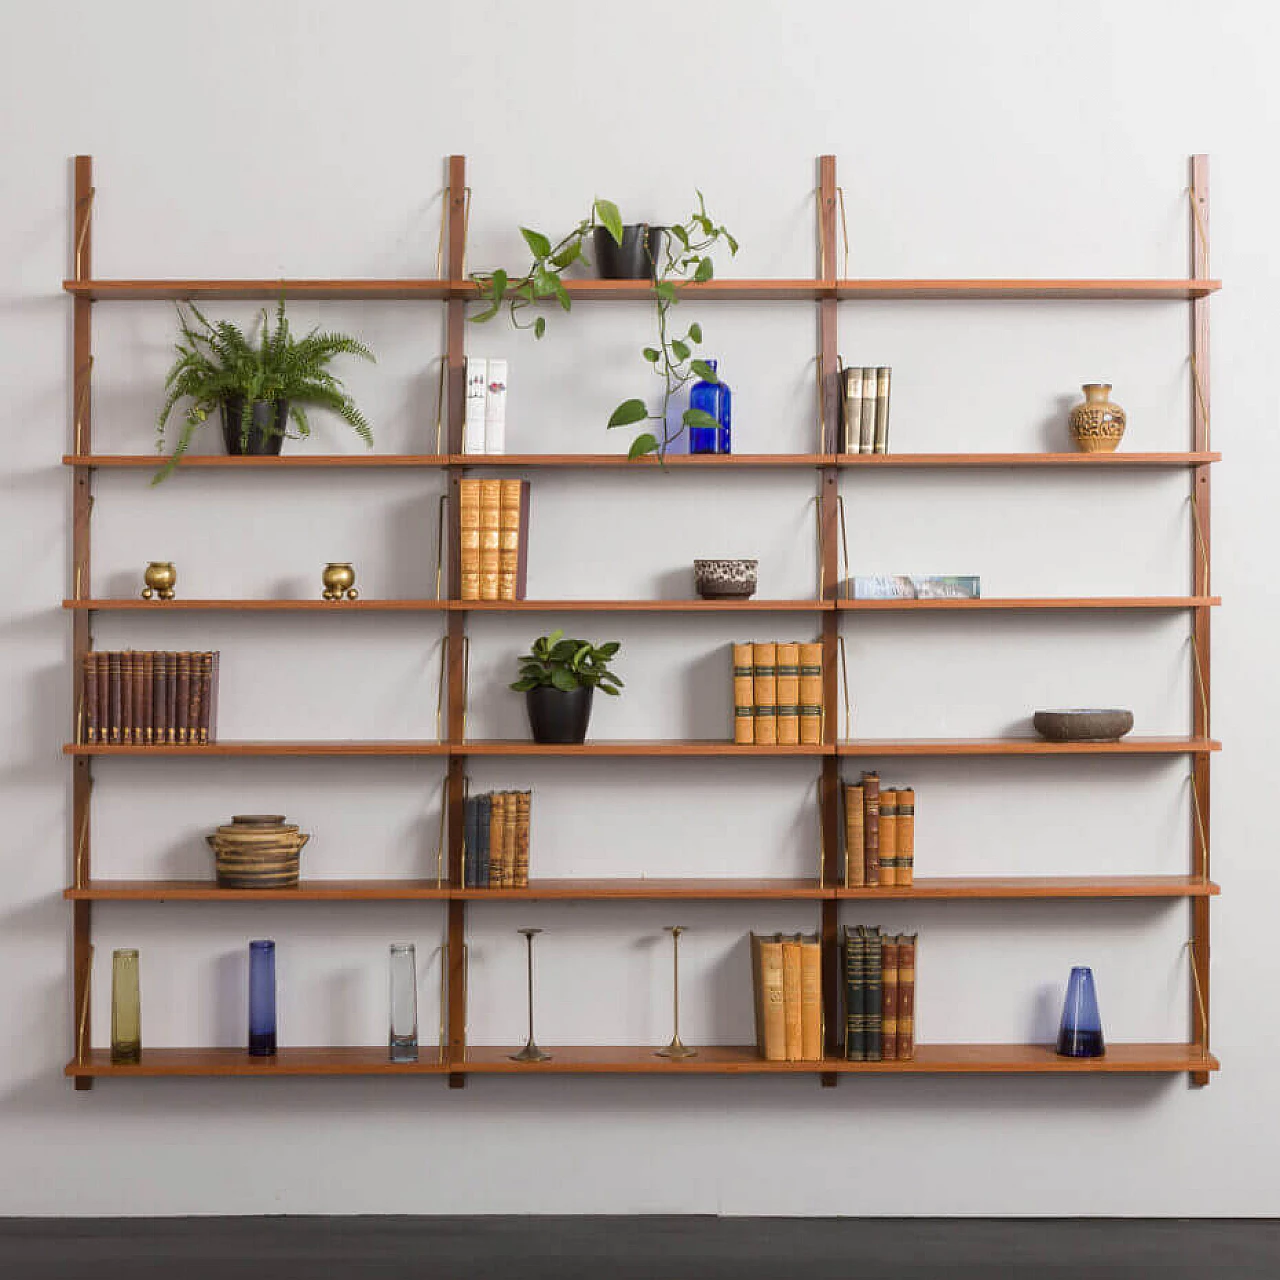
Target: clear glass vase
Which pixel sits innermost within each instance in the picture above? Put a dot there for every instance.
(404, 1003)
(126, 1007)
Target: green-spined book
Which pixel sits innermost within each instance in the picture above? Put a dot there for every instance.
(872, 993)
(855, 1043)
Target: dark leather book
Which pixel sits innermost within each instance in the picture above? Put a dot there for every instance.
(855, 1040)
(148, 694)
(908, 945)
(182, 704)
(193, 708)
(484, 818)
(204, 716)
(113, 707)
(213, 695)
(139, 683)
(89, 699)
(889, 997)
(871, 827)
(470, 811)
(171, 699)
(159, 696)
(101, 666)
(871, 970)
(126, 698)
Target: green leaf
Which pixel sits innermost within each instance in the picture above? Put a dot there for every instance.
(680, 234)
(629, 412)
(610, 218)
(733, 244)
(539, 326)
(644, 443)
(695, 333)
(562, 679)
(538, 244)
(665, 290)
(562, 296)
(570, 253)
(704, 371)
(706, 269)
(498, 285)
(652, 354)
(698, 418)
(608, 649)
(681, 349)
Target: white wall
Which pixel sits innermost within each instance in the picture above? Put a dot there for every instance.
(987, 138)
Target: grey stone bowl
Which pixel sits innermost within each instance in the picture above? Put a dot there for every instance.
(1083, 724)
(725, 579)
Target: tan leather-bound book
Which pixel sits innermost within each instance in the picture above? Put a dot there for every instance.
(811, 997)
(510, 839)
(744, 694)
(906, 836)
(889, 836)
(497, 838)
(889, 998)
(855, 867)
(908, 944)
(811, 694)
(765, 682)
(524, 805)
(791, 997)
(787, 685)
(126, 697)
(513, 539)
(871, 827)
(469, 538)
(490, 526)
(771, 1028)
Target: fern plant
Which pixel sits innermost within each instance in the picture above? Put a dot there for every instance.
(218, 362)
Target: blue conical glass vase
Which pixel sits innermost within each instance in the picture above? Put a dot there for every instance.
(1080, 1033)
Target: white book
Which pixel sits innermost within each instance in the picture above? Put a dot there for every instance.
(495, 408)
(477, 375)
(851, 407)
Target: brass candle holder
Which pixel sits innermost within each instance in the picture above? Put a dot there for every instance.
(339, 580)
(530, 1052)
(676, 1049)
(160, 577)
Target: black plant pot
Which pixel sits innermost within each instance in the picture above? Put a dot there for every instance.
(636, 258)
(559, 715)
(266, 428)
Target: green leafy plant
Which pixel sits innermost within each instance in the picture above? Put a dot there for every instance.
(218, 361)
(687, 256)
(568, 664)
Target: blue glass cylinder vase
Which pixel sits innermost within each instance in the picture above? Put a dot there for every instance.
(262, 998)
(714, 399)
(1080, 1032)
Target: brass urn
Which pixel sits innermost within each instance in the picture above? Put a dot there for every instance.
(339, 580)
(160, 577)
(1096, 422)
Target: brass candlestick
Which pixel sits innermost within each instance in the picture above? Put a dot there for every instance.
(676, 1049)
(339, 580)
(530, 1052)
(160, 577)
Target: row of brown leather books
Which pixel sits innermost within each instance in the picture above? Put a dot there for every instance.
(879, 994)
(777, 693)
(145, 698)
(879, 833)
(493, 538)
(786, 972)
(496, 840)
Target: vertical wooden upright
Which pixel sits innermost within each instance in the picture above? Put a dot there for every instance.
(82, 439)
(1200, 577)
(828, 505)
(455, 717)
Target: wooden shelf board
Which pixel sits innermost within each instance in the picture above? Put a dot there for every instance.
(727, 289)
(642, 606)
(266, 748)
(305, 891)
(891, 461)
(335, 1061)
(849, 290)
(632, 747)
(1022, 747)
(1032, 602)
(988, 887)
(136, 290)
(676, 462)
(152, 461)
(642, 889)
(259, 606)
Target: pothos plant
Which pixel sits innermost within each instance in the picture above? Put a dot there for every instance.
(567, 665)
(686, 256)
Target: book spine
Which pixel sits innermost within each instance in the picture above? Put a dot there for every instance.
(513, 519)
(772, 998)
(851, 408)
(171, 700)
(811, 694)
(743, 694)
(126, 697)
(765, 682)
(182, 709)
(477, 378)
(497, 838)
(867, 418)
(787, 686)
(113, 703)
(881, 437)
(193, 707)
(206, 698)
(888, 836)
(470, 810)
(510, 840)
(906, 836)
(855, 868)
(490, 524)
(871, 827)
(811, 998)
(104, 697)
(484, 848)
(524, 806)
(495, 408)
(855, 1044)
(469, 538)
(213, 696)
(791, 998)
(159, 695)
(148, 695)
(89, 698)
(871, 969)
(139, 699)
(907, 946)
(889, 998)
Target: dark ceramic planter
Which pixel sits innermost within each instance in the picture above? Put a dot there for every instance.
(559, 715)
(266, 430)
(635, 258)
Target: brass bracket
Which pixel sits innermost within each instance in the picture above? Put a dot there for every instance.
(1198, 383)
(844, 230)
(844, 680)
(822, 406)
(1202, 232)
(1204, 697)
(87, 978)
(1200, 543)
(84, 833)
(844, 541)
(440, 523)
(1199, 817)
(1195, 981)
(84, 216)
(440, 417)
(444, 209)
(440, 687)
(444, 990)
(82, 397)
(466, 681)
(440, 839)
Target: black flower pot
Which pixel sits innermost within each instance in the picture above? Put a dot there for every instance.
(559, 715)
(636, 258)
(266, 428)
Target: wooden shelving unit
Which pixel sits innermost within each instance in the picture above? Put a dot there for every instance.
(455, 1058)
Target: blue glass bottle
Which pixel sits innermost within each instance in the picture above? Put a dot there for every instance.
(724, 437)
(1080, 1033)
(262, 998)
(705, 396)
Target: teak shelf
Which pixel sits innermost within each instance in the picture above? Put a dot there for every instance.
(454, 1058)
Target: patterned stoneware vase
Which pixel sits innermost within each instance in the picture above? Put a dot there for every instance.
(1096, 422)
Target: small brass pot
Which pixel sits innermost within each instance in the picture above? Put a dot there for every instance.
(339, 580)
(160, 577)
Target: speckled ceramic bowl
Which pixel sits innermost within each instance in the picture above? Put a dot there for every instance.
(1083, 724)
(725, 579)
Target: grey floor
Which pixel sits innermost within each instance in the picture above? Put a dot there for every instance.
(634, 1248)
